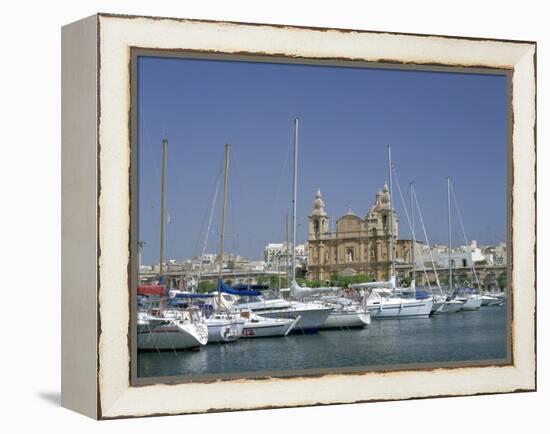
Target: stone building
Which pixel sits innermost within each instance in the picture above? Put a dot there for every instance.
(357, 245)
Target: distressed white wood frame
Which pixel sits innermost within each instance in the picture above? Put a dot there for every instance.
(113, 395)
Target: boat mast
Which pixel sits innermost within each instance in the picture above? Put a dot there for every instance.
(294, 193)
(391, 216)
(287, 251)
(449, 228)
(162, 206)
(411, 186)
(222, 238)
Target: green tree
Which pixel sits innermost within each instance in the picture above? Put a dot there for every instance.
(502, 280)
(206, 286)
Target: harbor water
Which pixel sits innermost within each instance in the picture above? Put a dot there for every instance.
(457, 337)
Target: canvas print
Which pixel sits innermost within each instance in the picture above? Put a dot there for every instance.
(308, 218)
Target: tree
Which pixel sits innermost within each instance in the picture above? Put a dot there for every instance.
(206, 286)
(502, 280)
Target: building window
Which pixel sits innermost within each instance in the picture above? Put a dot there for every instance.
(464, 263)
(316, 227)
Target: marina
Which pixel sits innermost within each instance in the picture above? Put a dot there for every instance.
(459, 337)
(363, 322)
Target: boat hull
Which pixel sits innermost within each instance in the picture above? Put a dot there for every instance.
(268, 328)
(472, 303)
(436, 306)
(311, 320)
(450, 307)
(223, 330)
(338, 319)
(173, 336)
(489, 300)
(400, 308)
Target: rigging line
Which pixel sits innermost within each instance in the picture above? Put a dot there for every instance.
(402, 200)
(213, 207)
(285, 165)
(427, 240)
(409, 221)
(201, 230)
(453, 194)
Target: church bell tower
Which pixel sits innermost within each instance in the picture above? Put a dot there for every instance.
(318, 220)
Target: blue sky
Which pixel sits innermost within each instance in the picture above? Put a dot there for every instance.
(439, 124)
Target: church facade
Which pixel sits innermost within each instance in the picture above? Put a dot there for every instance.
(357, 245)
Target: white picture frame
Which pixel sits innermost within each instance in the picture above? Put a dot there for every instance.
(96, 258)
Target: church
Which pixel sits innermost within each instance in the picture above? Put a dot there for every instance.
(357, 245)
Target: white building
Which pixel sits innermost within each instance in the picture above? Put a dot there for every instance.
(461, 257)
(275, 250)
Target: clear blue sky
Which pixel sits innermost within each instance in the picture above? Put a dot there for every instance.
(439, 124)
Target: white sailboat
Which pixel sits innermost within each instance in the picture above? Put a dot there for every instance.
(312, 316)
(347, 317)
(223, 326)
(256, 326)
(491, 300)
(382, 301)
(171, 329)
(471, 302)
(179, 330)
(228, 324)
(472, 299)
(346, 312)
(147, 322)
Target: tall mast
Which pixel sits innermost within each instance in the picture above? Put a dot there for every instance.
(287, 250)
(391, 215)
(162, 205)
(413, 233)
(450, 240)
(294, 193)
(222, 238)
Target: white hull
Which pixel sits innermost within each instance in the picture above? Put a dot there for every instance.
(268, 327)
(489, 300)
(450, 307)
(387, 308)
(436, 306)
(347, 319)
(173, 336)
(472, 303)
(146, 322)
(311, 318)
(223, 330)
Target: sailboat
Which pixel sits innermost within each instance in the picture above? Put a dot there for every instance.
(170, 328)
(451, 304)
(472, 298)
(382, 300)
(228, 324)
(223, 326)
(312, 316)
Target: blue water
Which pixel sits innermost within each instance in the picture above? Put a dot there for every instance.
(462, 336)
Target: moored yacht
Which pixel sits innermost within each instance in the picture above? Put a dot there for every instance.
(345, 317)
(382, 304)
(311, 316)
(256, 326)
(491, 300)
(147, 322)
(450, 306)
(471, 301)
(224, 327)
(179, 330)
